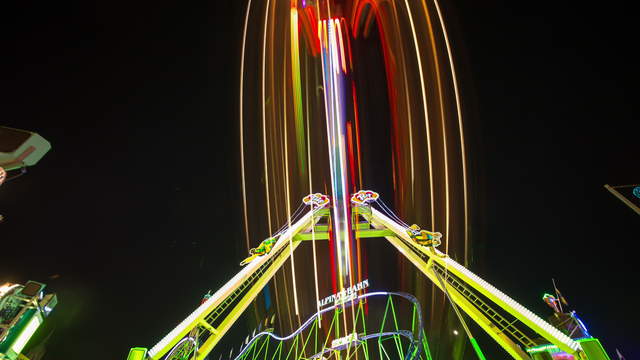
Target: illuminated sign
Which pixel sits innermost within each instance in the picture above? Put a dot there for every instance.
(364, 197)
(636, 190)
(316, 201)
(345, 295)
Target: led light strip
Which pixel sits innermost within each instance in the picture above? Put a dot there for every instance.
(513, 304)
(208, 306)
(478, 283)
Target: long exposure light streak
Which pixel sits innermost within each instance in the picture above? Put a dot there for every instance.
(426, 114)
(322, 34)
(297, 88)
(264, 114)
(242, 170)
(336, 137)
(409, 122)
(444, 129)
(326, 71)
(307, 47)
(313, 231)
(288, 188)
(309, 172)
(434, 53)
(461, 130)
(336, 131)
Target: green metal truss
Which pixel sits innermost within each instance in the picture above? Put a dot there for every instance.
(367, 337)
(510, 324)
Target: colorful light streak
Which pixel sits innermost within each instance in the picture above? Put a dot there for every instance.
(283, 101)
(460, 127)
(297, 90)
(334, 69)
(426, 115)
(264, 115)
(242, 146)
(288, 197)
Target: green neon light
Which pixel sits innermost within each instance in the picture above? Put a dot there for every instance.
(476, 347)
(542, 348)
(26, 334)
(137, 354)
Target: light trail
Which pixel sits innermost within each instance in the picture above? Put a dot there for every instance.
(339, 51)
(242, 171)
(297, 87)
(313, 230)
(336, 137)
(286, 176)
(356, 120)
(322, 34)
(343, 61)
(409, 117)
(426, 113)
(434, 53)
(461, 129)
(411, 85)
(264, 114)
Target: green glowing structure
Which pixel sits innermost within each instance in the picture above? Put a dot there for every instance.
(23, 308)
(521, 333)
(591, 347)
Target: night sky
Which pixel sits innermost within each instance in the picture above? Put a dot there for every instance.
(136, 211)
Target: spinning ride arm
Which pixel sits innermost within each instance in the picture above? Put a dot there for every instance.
(212, 319)
(461, 283)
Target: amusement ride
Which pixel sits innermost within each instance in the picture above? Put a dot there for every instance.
(23, 308)
(306, 88)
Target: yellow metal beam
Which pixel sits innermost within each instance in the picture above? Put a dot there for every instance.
(201, 313)
(425, 267)
(529, 319)
(230, 319)
(208, 326)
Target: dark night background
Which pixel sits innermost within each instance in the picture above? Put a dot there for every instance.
(137, 206)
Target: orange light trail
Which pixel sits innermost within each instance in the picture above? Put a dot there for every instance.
(297, 87)
(411, 44)
(242, 171)
(426, 113)
(461, 129)
(434, 53)
(264, 115)
(288, 205)
(444, 129)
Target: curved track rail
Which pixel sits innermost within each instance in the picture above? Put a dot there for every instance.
(415, 341)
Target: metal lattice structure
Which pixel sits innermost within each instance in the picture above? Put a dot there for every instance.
(343, 217)
(484, 304)
(364, 337)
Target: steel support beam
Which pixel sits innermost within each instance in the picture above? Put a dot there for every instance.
(200, 314)
(529, 319)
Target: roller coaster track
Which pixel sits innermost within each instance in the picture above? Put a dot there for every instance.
(415, 342)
